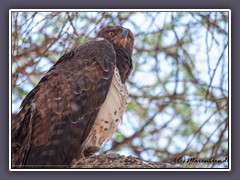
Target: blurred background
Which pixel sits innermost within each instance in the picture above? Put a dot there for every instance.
(178, 90)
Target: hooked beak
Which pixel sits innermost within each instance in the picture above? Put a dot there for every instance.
(121, 39)
(124, 33)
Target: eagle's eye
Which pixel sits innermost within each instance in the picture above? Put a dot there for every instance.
(111, 33)
(128, 39)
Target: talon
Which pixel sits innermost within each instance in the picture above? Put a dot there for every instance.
(91, 150)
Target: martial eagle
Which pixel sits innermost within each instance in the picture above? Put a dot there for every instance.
(77, 105)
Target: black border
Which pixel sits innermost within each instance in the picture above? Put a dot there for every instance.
(160, 4)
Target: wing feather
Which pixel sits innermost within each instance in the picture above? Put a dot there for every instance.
(58, 114)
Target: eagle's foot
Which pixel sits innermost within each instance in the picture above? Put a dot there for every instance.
(91, 150)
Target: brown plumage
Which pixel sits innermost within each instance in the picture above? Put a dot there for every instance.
(60, 118)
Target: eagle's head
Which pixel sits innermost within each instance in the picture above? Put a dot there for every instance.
(118, 36)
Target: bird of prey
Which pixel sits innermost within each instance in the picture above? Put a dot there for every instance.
(77, 105)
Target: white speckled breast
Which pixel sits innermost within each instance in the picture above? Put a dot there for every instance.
(110, 113)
